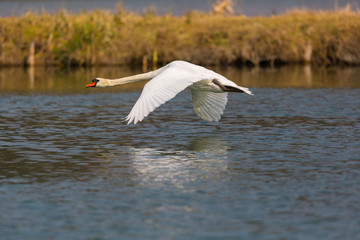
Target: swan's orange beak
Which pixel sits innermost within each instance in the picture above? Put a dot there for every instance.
(91, 84)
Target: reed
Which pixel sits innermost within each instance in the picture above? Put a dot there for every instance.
(103, 38)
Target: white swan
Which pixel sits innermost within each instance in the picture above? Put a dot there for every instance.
(209, 89)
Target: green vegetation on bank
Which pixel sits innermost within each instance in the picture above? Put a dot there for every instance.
(103, 38)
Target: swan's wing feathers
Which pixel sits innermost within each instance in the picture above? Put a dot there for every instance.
(159, 90)
(209, 105)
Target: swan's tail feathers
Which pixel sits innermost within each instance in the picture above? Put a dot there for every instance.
(246, 90)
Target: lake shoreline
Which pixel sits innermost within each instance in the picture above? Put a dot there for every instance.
(102, 38)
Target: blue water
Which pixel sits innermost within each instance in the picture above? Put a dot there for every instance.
(283, 164)
(249, 8)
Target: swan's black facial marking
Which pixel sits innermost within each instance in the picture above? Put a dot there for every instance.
(93, 83)
(95, 80)
(226, 88)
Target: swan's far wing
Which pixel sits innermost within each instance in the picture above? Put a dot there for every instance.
(209, 105)
(159, 90)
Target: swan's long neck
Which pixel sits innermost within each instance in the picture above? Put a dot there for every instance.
(135, 78)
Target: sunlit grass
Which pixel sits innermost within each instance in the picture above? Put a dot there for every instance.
(103, 38)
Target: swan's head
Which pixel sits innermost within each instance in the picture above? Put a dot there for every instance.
(98, 82)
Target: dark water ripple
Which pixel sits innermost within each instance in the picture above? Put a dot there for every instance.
(283, 164)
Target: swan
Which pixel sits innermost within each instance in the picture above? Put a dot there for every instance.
(209, 89)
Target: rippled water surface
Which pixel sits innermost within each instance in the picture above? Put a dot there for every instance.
(283, 164)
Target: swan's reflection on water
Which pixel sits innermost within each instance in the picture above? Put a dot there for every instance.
(203, 159)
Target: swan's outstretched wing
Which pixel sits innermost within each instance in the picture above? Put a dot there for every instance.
(209, 105)
(161, 89)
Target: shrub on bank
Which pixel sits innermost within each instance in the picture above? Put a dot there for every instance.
(103, 38)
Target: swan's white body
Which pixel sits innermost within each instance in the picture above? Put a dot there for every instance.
(209, 89)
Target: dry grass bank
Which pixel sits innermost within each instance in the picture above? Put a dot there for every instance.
(103, 38)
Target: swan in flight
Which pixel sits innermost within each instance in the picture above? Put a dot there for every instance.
(209, 89)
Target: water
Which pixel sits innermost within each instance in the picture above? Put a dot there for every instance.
(249, 8)
(283, 164)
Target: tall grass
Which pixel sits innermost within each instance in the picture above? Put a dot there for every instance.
(103, 38)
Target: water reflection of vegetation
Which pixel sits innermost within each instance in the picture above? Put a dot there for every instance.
(38, 79)
(52, 80)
